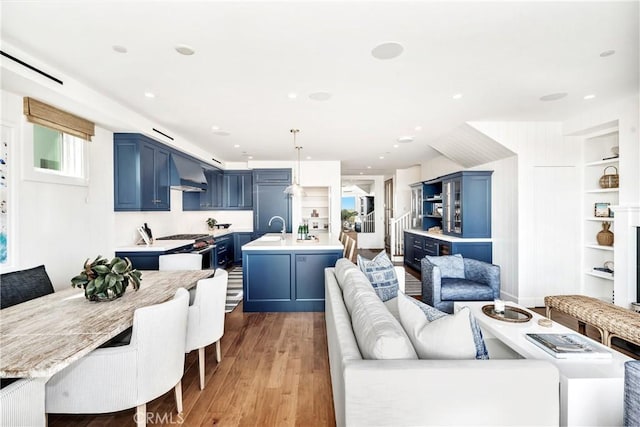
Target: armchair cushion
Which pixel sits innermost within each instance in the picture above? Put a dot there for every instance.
(451, 266)
(465, 290)
(24, 285)
(381, 274)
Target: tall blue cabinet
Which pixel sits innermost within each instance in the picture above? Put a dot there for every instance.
(269, 200)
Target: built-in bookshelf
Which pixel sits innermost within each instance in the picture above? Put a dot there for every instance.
(315, 208)
(600, 158)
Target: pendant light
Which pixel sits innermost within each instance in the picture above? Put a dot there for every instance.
(295, 189)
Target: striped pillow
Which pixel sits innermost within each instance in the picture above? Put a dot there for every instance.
(381, 274)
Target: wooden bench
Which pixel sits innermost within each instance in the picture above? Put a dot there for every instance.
(610, 320)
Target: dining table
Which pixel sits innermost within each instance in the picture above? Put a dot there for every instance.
(40, 337)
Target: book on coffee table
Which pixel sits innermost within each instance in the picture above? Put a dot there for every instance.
(568, 346)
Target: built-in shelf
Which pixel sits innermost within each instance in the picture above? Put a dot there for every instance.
(601, 247)
(600, 274)
(604, 162)
(604, 190)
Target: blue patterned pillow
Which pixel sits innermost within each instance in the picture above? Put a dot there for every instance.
(381, 274)
(451, 266)
(433, 314)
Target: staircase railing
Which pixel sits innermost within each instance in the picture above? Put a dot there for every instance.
(368, 222)
(396, 228)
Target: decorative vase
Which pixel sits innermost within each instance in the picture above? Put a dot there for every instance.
(605, 236)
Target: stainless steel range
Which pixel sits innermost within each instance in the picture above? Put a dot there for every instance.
(204, 244)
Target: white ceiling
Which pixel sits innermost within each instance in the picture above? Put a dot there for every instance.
(502, 56)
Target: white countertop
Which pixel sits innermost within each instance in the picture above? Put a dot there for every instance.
(447, 238)
(325, 241)
(167, 245)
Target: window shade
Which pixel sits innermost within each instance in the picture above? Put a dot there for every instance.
(42, 114)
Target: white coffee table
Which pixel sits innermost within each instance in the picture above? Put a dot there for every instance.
(591, 390)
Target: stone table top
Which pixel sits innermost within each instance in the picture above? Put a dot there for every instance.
(43, 336)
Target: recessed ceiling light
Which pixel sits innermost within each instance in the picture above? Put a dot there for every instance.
(183, 49)
(292, 95)
(361, 173)
(418, 128)
(221, 133)
(250, 157)
(387, 50)
(405, 139)
(395, 146)
(381, 157)
(607, 53)
(320, 96)
(368, 167)
(214, 127)
(457, 96)
(119, 49)
(590, 96)
(149, 95)
(308, 157)
(553, 96)
(236, 146)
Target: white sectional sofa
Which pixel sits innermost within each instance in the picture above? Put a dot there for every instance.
(498, 391)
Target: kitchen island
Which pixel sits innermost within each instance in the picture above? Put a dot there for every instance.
(281, 273)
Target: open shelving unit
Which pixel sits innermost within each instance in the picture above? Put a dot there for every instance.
(315, 208)
(597, 149)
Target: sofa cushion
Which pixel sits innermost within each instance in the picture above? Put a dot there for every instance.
(464, 290)
(378, 333)
(24, 285)
(342, 269)
(355, 284)
(381, 274)
(437, 335)
(451, 266)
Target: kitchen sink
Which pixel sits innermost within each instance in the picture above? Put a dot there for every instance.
(270, 238)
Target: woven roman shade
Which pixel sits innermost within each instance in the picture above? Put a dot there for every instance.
(43, 114)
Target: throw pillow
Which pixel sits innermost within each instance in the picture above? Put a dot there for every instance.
(378, 334)
(381, 274)
(438, 335)
(24, 285)
(451, 266)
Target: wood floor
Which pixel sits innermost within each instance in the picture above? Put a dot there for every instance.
(274, 372)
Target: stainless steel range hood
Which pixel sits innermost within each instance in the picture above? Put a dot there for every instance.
(186, 175)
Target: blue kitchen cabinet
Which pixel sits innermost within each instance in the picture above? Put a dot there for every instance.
(224, 251)
(148, 260)
(239, 239)
(417, 246)
(141, 173)
(285, 280)
(466, 203)
(210, 199)
(269, 200)
(238, 190)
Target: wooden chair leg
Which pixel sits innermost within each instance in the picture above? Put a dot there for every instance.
(201, 366)
(141, 415)
(582, 328)
(218, 352)
(178, 392)
(548, 309)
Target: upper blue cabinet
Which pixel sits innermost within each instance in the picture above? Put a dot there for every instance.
(141, 173)
(226, 190)
(459, 203)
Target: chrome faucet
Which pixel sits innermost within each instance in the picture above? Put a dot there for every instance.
(284, 228)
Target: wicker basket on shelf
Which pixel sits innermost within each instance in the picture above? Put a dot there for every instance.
(610, 180)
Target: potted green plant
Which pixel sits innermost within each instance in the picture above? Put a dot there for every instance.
(105, 280)
(211, 223)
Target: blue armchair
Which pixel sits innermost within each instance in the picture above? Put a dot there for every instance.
(447, 279)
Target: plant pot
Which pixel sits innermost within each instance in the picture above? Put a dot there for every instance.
(605, 236)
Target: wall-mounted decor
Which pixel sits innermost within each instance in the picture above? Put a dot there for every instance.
(4, 195)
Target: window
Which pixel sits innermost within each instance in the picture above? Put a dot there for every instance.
(58, 152)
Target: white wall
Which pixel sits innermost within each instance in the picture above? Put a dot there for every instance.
(373, 240)
(61, 225)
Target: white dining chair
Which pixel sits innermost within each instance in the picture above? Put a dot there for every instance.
(22, 403)
(186, 261)
(206, 317)
(118, 378)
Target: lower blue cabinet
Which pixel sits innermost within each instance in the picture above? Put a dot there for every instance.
(276, 281)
